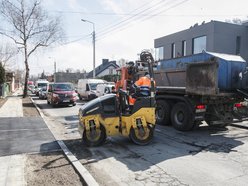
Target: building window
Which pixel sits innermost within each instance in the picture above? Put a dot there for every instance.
(238, 44)
(159, 53)
(199, 44)
(173, 50)
(184, 48)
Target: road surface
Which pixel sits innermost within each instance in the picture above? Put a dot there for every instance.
(205, 156)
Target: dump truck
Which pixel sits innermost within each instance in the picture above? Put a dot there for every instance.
(206, 87)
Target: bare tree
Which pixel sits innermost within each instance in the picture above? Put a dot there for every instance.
(7, 52)
(30, 28)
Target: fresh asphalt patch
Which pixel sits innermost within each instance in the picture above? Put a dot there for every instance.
(25, 135)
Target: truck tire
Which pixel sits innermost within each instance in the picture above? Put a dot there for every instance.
(163, 111)
(181, 117)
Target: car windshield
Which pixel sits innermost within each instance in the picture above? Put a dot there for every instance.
(42, 84)
(93, 86)
(65, 87)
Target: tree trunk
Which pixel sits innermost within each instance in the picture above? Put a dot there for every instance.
(25, 91)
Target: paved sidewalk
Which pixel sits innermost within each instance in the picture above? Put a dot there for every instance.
(12, 170)
(12, 167)
(12, 108)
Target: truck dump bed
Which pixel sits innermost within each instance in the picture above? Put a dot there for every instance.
(202, 74)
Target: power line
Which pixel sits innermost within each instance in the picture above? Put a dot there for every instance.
(159, 8)
(131, 14)
(111, 27)
(136, 14)
(72, 41)
(173, 6)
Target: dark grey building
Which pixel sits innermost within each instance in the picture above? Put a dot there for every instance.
(213, 36)
(106, 68)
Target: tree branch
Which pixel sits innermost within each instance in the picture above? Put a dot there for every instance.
(36, 3)
(38, 45)
(9, 36)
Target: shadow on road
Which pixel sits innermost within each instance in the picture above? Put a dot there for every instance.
(72, 118)
(49, 146)
(167, 144)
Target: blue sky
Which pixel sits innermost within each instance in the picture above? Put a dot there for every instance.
(123, 27)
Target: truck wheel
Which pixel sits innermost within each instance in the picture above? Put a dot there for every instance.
(181, 117)
(96, 139)
(143, 139)
(163, 111)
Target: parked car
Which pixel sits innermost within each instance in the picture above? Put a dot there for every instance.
(43, 92)
(61, 94)
(31, 88)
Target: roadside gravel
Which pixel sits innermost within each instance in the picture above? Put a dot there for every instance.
(51, 168)
(29, 109)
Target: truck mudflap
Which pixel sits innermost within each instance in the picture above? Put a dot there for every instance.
(202, 78)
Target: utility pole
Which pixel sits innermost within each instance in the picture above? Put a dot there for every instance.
(54, 75)
(94, 54)
(94, 45)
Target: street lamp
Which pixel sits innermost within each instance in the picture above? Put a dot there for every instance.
(94, 43)
(54, 75)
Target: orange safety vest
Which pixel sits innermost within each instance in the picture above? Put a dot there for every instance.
(143, 81)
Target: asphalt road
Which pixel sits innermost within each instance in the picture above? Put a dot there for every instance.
(205, 156)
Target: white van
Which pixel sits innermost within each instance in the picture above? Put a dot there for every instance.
(39, 84)
(103, 89)
(87, 88)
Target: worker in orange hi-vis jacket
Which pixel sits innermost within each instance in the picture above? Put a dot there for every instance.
(144, 83)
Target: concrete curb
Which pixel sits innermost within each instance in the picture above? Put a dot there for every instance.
(83, 172)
